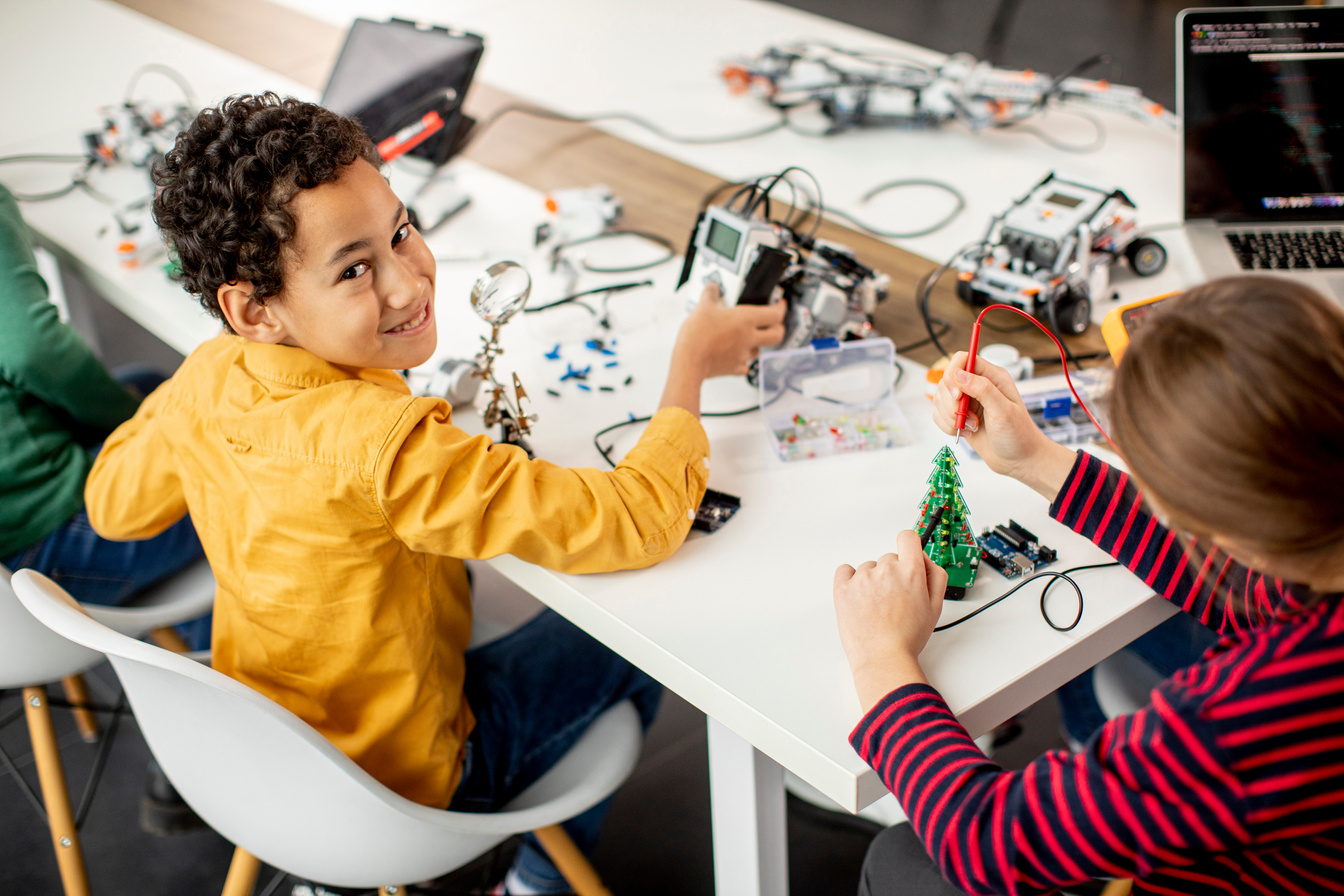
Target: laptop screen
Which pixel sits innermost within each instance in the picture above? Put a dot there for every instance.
(1262, 102)
(391, 73)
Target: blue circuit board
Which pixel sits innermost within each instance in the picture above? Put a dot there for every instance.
(1013, 550)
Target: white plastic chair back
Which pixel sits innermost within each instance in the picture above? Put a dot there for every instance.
(31, 654)
(269, 783)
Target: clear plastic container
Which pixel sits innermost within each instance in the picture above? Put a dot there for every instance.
(1054, 410)
(831, 398)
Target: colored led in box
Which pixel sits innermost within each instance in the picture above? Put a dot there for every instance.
(831, 398)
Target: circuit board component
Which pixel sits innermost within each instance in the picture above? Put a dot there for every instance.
(1013, 550)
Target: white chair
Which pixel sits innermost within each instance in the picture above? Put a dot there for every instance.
(31, 655)
(277, 789)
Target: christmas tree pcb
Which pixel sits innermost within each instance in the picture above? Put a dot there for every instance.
(952, 545)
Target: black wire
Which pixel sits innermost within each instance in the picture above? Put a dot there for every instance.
(45, 157)
(925, 289)
(908, 182)
(946, 328)
(574, 297)
(1011, 591)
(654, 238)
(606, 452)
(77, 180)
(1098, 140)
(1087, 356)
(537, 112)
(171, 73)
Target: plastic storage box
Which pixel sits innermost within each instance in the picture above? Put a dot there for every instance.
(1053, 409)
(831, 398)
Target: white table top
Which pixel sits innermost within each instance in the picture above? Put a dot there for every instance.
(740, 622)
(662, 61)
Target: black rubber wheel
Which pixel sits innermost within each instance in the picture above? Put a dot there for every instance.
(1073, 312)
(1146, 257)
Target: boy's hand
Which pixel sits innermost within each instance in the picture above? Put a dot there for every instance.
(716, 340)
(723, 340)
(886, 610)
(999, 427)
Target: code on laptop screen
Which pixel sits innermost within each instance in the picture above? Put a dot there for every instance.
(1262, 101)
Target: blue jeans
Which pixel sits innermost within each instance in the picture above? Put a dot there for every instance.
(1171, 646)
(96, 570)
(534, 691)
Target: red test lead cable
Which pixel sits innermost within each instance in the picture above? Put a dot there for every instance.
(964, 405)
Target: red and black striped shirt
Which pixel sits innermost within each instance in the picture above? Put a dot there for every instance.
(1231, 781)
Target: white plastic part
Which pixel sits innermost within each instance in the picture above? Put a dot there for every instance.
(269, 783)
(31, 654)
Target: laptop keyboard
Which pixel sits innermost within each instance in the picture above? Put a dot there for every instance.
(1288, 249)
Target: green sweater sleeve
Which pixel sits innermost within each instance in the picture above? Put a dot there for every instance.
(39, 354)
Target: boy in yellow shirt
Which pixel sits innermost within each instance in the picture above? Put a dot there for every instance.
(336, 508)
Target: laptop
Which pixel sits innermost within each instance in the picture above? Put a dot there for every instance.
(1261, 100)
(391, 73)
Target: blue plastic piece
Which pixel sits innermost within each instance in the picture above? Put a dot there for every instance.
(825, 343)
(1056, 408)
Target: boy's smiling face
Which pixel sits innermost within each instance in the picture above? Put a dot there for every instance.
(358, 279)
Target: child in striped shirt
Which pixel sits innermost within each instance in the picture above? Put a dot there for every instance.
(1228, 409)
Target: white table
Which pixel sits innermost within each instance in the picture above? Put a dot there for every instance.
(662, 61)
(740, 622)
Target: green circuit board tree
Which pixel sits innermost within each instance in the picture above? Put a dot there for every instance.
(952, 544)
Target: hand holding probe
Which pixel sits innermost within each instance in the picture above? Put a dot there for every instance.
(932, 526)
(964, 405)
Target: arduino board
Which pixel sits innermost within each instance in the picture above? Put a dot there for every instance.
(1013, 550)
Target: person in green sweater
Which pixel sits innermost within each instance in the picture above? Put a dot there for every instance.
(57, 403)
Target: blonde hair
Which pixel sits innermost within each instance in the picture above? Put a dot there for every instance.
(1228, 407)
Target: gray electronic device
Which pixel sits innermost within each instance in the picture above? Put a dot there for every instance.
(744, 255)
(457, 381)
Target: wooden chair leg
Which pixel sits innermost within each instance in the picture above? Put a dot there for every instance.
(391, 891)
(574, 865)
(243, 870)
(51, 775)
(168, 638)
(1117, 888)
(76, 691)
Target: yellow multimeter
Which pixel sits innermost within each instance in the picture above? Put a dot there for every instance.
(1120, 322)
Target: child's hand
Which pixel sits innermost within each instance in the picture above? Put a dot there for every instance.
(723, 341)
(716, 340)
(886, 610)
(999, 427)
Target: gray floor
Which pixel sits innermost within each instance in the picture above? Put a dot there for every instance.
(657, 842)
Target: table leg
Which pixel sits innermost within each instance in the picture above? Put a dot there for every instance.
(746, 796)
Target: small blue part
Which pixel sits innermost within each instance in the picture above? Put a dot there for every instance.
(825, 343)
(611, 363)
(594, 344)
(573, 373)
(1056, 408)
(631, 415)
(554, 354)
(585, 387)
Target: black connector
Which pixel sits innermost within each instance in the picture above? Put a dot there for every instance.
(1017, 542)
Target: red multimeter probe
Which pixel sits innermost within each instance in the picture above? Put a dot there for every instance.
(964, 405)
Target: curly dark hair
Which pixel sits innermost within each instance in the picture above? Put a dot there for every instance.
(225, 184)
